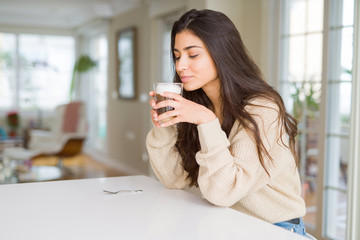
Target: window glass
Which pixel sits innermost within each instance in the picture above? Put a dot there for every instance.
(348, 12)
(309, 159)
(342, 13)
(126, 75)
(313, 57)
(99, 52)
(296, 58)
(341, 57)
(306, 100)
(339, 100)
(288, 92)
(297, 16)
(338, 158)
(45, 70)
(335, 215)
(35, 74)
(339, 89)
(301, 71)
(314, 16)
(7, 70)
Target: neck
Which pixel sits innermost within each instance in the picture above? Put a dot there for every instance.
(213, 93)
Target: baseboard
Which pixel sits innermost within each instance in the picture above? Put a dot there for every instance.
(103, 158)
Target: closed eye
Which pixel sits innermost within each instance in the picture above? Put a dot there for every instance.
(190, 56)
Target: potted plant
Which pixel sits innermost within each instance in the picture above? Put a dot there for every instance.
(82, 65)
(304, 100)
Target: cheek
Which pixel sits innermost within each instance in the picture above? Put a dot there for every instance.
(209, 69)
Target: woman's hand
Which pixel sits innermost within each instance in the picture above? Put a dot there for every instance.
(153, 112)
(184, 111)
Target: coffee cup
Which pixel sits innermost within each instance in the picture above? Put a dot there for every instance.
(166, 87)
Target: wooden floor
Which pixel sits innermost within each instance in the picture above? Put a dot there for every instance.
(81, 166)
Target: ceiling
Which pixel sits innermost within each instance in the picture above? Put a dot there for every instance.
(61, 14)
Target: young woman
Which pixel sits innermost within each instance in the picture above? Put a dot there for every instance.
(230, 134)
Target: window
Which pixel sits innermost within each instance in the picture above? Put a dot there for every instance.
(301, 64)
(96, 86)
(93, 85)
(316, 69)
(8, 83)
(33, 68)
(339, 86)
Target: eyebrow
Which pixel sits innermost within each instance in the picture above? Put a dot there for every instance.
(187, 48)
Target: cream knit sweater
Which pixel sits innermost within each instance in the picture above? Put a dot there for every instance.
(230, 173)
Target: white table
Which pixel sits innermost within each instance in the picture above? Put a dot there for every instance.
(79, 209)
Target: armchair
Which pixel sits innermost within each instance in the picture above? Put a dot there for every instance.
(64, 139)
(69, 127)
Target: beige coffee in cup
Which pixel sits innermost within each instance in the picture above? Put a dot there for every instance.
(166, 87)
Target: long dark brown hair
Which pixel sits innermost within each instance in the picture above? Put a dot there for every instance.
(241, 81)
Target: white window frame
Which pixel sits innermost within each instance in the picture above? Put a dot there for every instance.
(353, 207)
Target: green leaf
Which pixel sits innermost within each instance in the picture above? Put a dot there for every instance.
(82, 65)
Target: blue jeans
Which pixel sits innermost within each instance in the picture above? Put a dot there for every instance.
(296, 228)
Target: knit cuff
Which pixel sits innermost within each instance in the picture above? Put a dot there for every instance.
(211, 135)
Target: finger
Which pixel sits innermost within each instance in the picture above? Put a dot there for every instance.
(152, 94)
(172, 95)
(156, 123)
(167, 103)
(167, 115)
(154, 117)
(171, 122)
(153, 113)
(152, 103)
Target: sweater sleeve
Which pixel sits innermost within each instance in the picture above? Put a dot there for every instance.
(165, 160)
(231, 170)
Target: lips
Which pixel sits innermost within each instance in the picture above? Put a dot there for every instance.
(185, 78)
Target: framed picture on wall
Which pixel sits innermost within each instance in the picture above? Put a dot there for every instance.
(125, 64)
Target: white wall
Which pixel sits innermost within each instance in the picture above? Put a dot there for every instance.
(126, 118)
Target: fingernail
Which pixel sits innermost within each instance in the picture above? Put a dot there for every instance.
(162, 125)
(156, 119)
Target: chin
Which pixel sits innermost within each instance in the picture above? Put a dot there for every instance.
(189, 88)
(192, 86)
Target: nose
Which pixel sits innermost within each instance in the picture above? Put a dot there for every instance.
(181, 64)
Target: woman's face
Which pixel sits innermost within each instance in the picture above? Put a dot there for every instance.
(193, 63)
